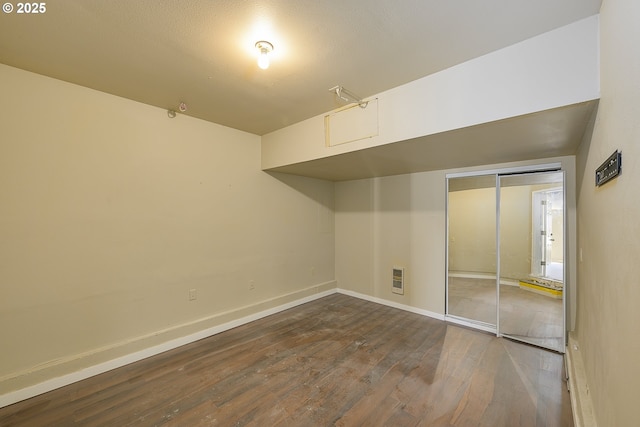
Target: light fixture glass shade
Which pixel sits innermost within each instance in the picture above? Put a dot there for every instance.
(264, 47)
(263, 59)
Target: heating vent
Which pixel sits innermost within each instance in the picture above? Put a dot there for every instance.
(398, 280)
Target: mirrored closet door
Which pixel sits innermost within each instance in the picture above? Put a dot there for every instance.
(531, 236)
(505, 255)
(472, 250)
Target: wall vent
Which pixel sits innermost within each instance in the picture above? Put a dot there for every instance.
(398, 280)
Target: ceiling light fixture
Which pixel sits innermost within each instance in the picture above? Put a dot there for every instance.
(348, 96)
(264, 48)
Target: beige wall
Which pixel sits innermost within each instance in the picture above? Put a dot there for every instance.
(387, 222)
(401, 221)
(515, 232)
(110, 212)
(608, 322)
(472, 230)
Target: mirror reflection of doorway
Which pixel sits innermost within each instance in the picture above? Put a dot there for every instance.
(547, 234)
(506, 255)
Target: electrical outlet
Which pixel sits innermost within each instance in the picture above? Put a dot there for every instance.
(252, 285)
(193, 294)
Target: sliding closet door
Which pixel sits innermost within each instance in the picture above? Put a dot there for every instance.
(531, 258)
(471, 281)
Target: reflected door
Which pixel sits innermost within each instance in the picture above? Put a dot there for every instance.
(531, 297)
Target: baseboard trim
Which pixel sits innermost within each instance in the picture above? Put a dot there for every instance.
(393, 304)
(90, 371)
(486, 327)
(487, 276)
(581, 404)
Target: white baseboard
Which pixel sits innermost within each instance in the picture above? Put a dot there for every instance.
(392, 304)
(486, 327)
(61, 381)
(472, 275)
(99, 368)
(488, 276)
(581, 404)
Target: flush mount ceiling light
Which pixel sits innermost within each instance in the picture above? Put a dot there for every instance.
(348, 96)
(264, 48)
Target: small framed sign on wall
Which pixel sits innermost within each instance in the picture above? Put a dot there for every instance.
(611, 168)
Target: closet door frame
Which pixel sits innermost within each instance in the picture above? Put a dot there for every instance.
(546, 167)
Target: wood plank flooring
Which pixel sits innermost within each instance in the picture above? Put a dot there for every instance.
(523, 314)
(335, 361)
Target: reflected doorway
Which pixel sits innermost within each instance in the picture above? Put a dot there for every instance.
(548, 234)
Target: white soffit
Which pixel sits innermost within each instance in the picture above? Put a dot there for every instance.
(546, 134)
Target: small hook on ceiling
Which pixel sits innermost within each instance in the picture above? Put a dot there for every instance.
(182, 107)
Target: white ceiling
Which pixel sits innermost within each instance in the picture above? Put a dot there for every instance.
(162, 52)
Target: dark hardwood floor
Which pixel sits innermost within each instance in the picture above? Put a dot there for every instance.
(335, 361)
(534, 318)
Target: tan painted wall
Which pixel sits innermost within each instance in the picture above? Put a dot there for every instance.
(515, 232)
(608, 321)
(110, 212)
(472, 230)
(387, 222)
(401, 221)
